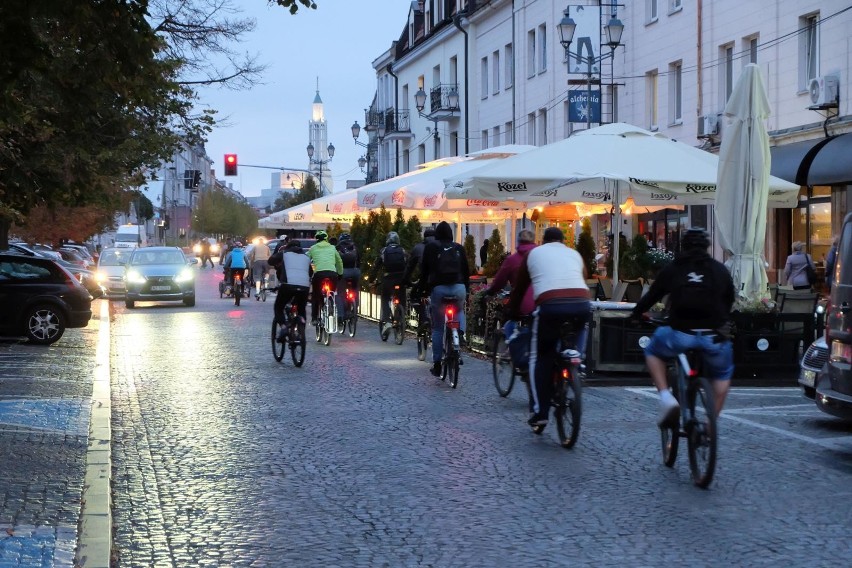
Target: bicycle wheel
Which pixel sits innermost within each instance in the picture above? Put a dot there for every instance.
(568, 407)
(318, 328)
(670, 434)
(501, 365)
(352, 321)
(297, 344)
(453, 369)
(326, 334)
(398, 326)
(277, 346)
(238, 293)
(701, 431)
(422, 346)
(263, 294)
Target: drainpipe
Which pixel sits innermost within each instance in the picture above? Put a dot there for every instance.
(396, 109)
(514, 86)
(700, 97)
(457, 21)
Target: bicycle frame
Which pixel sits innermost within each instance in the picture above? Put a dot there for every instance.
(330, 323)
(451, 323)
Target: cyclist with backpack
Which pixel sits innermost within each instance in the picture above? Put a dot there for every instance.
(293, 269)
(235, 260)
(701, 294)
(351, 271)
(413, 265)
(391, 265)
(445, 271)
(327, 265)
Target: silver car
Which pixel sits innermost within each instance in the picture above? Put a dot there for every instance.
(159, 274)
(110, 271)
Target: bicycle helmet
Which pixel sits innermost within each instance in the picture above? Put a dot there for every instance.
(344, 237)
(392, 238)
(321, 235)
(238, 244)
(429, 232)
(695, 238)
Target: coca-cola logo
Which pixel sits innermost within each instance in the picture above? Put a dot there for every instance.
(298, 216)
(599, 195)
(398, 197)
(511, 187)
(369, 199)
(430, 201)
(338, 208)
(481, 203)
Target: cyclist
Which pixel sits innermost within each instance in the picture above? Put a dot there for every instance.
(701, 294)
(351, 271)
(414, 259)
(508, 274)
(235, 260)
(293, 269)
(259, 258)
(445, 271)
(557, 275)
(327, 265)
(391, 265)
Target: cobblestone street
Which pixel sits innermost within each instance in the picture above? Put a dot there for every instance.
(223, 457)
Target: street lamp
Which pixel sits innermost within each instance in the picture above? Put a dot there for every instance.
(613, 30)
(363, 161)
(320, 163)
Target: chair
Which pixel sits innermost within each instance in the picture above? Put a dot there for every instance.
(595, 289)
(606, 287)
(797, 301)
(618, 293)
(633, 291)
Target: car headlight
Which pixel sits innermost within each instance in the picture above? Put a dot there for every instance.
(101, 277)
(196, 249)
(135, 277)
(214, 248)
(184, 275)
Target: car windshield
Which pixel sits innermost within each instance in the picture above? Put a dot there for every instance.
(157, 257)
(113, 258)
(127, 237)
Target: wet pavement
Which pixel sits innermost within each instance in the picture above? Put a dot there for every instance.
(223, 457)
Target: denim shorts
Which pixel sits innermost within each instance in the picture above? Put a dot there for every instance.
(668, 343)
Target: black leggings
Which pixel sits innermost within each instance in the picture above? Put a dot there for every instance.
(316, 288)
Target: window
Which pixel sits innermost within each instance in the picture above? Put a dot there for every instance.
(808, 50)
(406, 161)
(421, 154)
(483, 138)
(509, 135)
(530, 53)
(483, 78)
(495, 72)
(510, 65)
(531, 128)
(651, 99)
(675, 6)
(752, 50)
(495, 136)
(676, 93)
(726, 69)
(542, 48)
(454, 143)
(650, 11)
(542, 127)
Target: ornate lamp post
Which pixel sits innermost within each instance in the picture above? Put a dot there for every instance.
(320, 163)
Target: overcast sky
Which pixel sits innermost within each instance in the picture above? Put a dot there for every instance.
(268, 125)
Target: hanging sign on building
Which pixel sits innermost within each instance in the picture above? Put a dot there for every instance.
(579, 106)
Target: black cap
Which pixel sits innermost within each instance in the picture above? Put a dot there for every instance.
(553, 234)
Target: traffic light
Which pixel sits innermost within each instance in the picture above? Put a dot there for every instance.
(230, 164)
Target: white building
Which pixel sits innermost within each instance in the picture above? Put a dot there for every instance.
(318, 140)
(672, 71)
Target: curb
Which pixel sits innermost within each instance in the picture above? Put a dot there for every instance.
(95, 530)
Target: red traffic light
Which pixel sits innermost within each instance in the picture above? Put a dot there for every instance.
(230, 164)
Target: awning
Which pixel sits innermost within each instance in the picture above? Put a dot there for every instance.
(791, 161)
(833, 163)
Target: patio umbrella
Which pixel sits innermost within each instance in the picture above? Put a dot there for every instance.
(743, 182)
(594, 165)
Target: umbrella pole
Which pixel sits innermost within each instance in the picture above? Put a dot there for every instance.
(616, 233)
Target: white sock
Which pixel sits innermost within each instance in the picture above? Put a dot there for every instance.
(666, 397)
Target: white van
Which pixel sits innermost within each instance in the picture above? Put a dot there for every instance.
(131, 236)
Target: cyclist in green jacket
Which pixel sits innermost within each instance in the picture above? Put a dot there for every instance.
(327, 266)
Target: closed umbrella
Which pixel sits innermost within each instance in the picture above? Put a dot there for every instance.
(742, 193)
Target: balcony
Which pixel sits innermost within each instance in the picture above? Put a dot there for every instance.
(397, 124)
(372, 120)
(440, 108)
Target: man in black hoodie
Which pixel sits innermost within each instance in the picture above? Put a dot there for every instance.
(445, 271)
(701, 294)
(414, 259)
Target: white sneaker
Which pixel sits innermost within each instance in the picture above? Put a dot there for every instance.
(669, 410)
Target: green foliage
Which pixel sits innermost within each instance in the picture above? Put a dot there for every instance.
(219, 213)
(496, 254)
(142, 206)
(622, 250)
(411, 233)
(470, 252)
(293, 5)
(586, 247)
(335, 230)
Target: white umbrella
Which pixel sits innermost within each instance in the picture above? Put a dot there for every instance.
(743, 181)
(593, 165)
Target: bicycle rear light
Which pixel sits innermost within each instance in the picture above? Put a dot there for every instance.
(693, 372)
(326, 286)
(565, 373)
(350, 295)
(450, 312)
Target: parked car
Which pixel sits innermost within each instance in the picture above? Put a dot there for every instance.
(73, 257)
(110, 271)
(160, 274)
(834, 386)
(27, 250)
(87, 278)
(39, 299)
(811, 365)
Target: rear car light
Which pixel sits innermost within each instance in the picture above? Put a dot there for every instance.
(841, 352)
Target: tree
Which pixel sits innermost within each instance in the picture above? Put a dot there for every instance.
(293, 6)
(496, 254)
(283, 201)
(308, 192)
(218, 212)
(142, 206)
(586, 247)
(470, 253)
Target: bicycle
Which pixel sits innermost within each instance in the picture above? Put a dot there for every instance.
(327, 322)
(294, 339)
(350, 308)
(421, 325)
(397, 321)
(503, 367)
(567, 397)
(262, 287)
(237, 287)
(451, 358)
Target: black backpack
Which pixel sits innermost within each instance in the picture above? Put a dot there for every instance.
(393, 258)
(348, 255)
(694, 296)
(449, 260)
